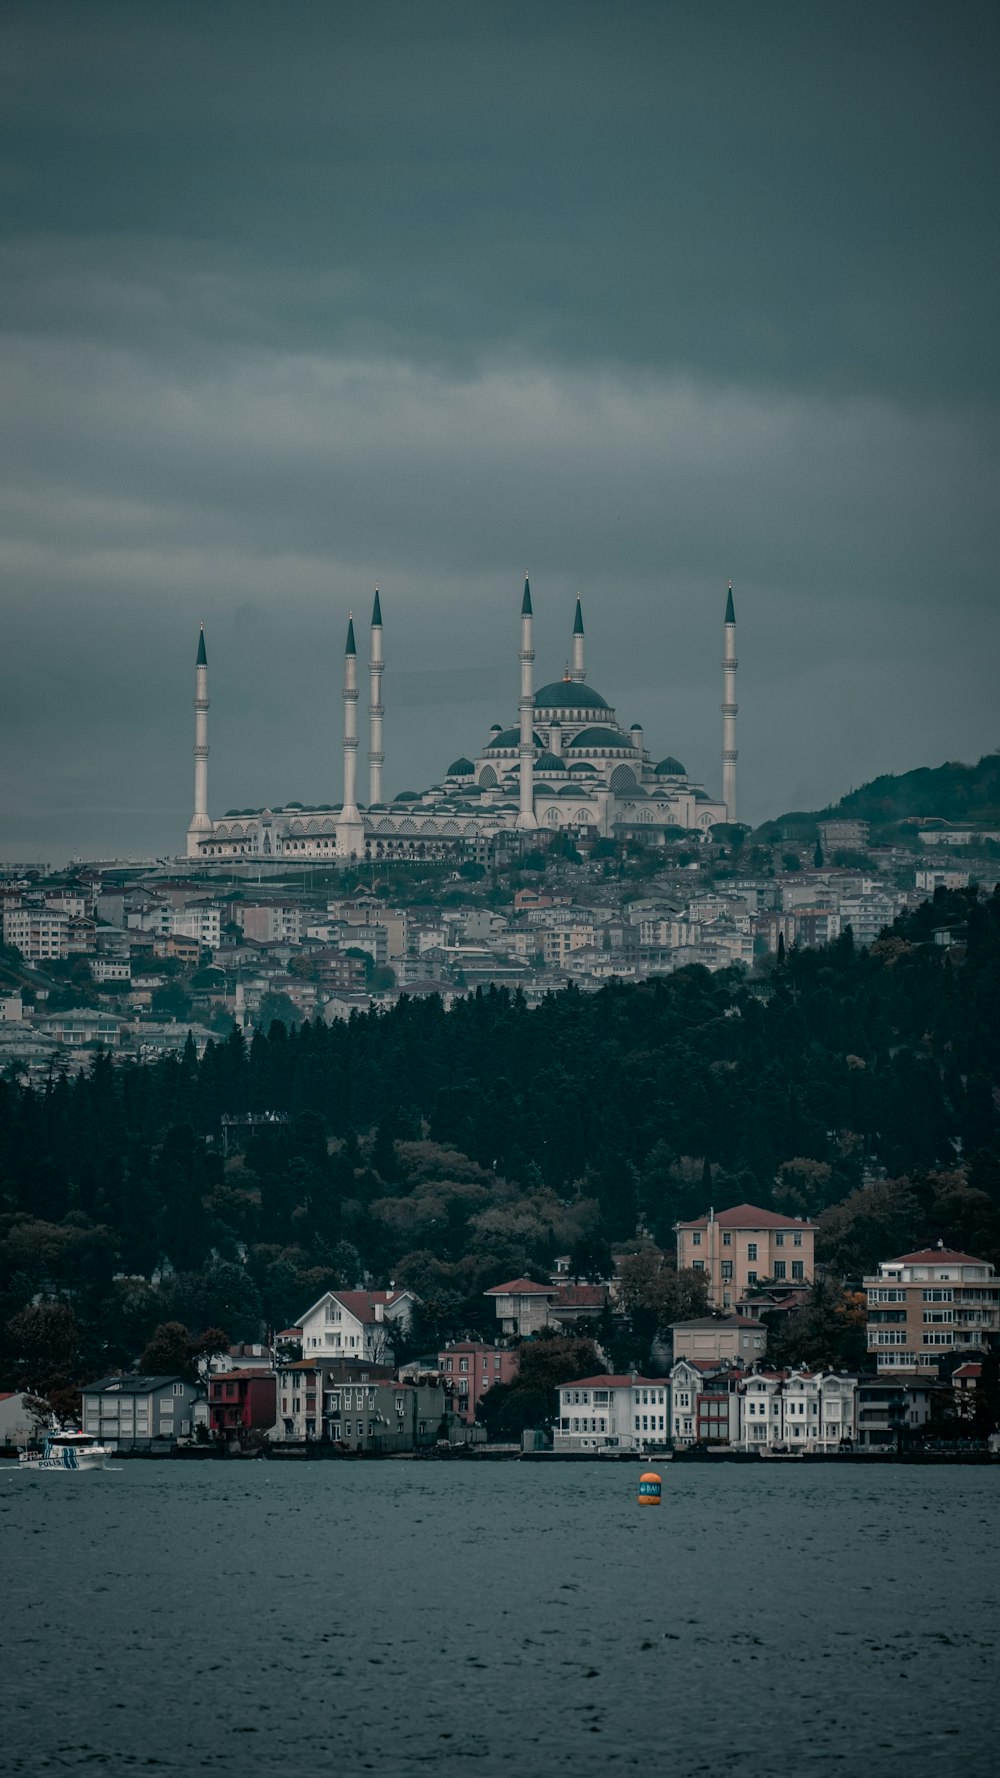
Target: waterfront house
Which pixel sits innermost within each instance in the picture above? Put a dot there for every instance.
(628, 1413)
(468, 1368)
(703, 1404)
(133, 1413)
(242, 1401)
(357, 1406)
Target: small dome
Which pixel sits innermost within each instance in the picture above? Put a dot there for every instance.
(702, 796)
(671, 768)
(599, 738)
(569, 694)
(508, 737)
(550, 762)
(407, 796)
(583, 770)
(496, 728)
(570, 790)
(461, 768)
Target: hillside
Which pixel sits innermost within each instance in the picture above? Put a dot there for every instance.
(953, 792)
(448, 1151)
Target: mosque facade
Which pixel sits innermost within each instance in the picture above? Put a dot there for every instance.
(566, 765)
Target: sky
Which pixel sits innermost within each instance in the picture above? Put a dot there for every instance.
(638, 298)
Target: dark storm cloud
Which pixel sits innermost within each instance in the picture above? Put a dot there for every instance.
(294, 299)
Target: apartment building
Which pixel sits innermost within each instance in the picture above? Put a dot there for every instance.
(40, 934)
(744, 1247)
(927, 1304)
(468, 1369)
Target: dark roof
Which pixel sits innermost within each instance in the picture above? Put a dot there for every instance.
(706, 1321)
(526, 601)
(202, 656)
(671, 768)
(569, 694)
(508, 737)
(351, 646)
(599, 737)
(549, 762)
(730, 613)
(129, 1385)
(377, 611)
(460, 768)
(578, 619)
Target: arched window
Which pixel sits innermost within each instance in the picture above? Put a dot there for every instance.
(488, 778)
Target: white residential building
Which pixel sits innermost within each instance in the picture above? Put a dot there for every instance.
(356, 1324)
(808, 1410)
(628, 1413)
(39, 934)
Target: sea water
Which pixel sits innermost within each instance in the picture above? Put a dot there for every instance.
(400, 1617)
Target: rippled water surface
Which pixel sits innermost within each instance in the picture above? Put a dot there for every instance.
(259, 1618)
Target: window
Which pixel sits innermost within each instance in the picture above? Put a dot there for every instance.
(178, 1389)
(797, 1271)
(698, 1265)
(696, 1240)
(727, 1239)
(779, 1268)
(938, 1296)
(797, 1238)
(463, 1364)
(727, 1271)
(751, 1277)
(751, 1250)
(779, 1239)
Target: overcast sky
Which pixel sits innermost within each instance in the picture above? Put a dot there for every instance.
(639, 297)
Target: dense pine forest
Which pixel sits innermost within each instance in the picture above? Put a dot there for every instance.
(448, 1151)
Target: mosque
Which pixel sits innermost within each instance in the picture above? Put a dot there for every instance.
(566, 765)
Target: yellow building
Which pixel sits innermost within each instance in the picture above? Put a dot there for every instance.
(743, 1247)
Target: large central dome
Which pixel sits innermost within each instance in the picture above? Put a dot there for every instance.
(569, 694)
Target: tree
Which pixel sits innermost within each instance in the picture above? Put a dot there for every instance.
(828, 1332)
(544, 1364)
(818, 856)
(45, 1340)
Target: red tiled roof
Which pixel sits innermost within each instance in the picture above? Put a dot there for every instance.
(748, 1216)
(943, 1256)
(582, 1296)
(522, 1287)
(614, 1383)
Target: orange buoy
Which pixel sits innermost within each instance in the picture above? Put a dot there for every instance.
(649, 1489)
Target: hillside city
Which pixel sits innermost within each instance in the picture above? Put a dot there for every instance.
(132, 958)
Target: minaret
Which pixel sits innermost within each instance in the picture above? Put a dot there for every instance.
(350, 827)
(576, 672)
(526, 749)
(201, 821)
(375, 708)
(729, 709)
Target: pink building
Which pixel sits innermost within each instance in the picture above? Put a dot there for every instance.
(242, 1401)
(470, 1367)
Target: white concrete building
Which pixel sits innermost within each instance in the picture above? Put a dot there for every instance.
(604, 1413)
(39, 934)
